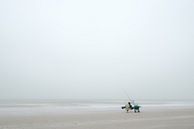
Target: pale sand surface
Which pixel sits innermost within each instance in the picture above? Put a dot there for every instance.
(182, 118)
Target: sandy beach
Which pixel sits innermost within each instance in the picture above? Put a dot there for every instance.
(180, 118)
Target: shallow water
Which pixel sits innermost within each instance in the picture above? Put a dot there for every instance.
(34, 107)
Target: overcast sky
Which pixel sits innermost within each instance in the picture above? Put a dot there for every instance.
(81, 49)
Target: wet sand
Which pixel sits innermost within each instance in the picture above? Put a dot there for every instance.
(182, 118)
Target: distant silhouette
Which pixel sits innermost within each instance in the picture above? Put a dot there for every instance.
(129, 106)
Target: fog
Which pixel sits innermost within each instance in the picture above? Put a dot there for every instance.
(103, 49)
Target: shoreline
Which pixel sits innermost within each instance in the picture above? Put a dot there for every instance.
(51, 107)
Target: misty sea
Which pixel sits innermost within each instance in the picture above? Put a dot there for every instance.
(37, 107)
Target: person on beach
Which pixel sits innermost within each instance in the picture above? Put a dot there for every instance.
(128, 107)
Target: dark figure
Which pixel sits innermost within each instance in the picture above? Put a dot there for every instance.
(130, 106)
